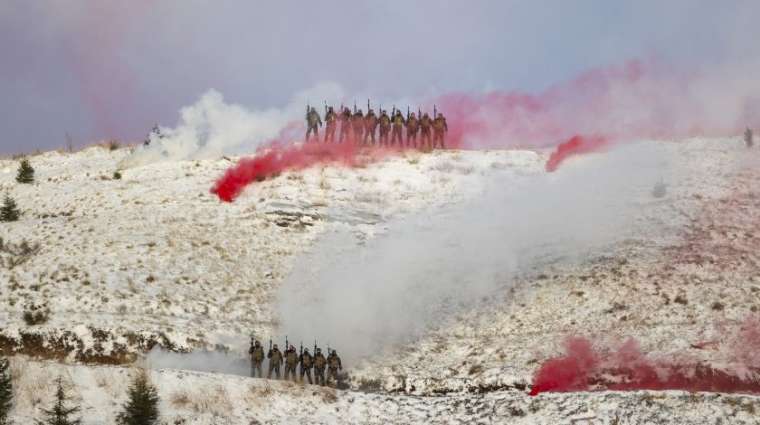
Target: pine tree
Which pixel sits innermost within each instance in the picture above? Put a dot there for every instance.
(142, 407)
(6, 392)
(25, 172)
(9, 211)
(59, 414)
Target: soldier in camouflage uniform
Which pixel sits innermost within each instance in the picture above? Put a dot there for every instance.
(345, 125)
(333, 365)
(313, 122)
(439, 129)
(748, 138)
(291, 361)
(319, 367)
(357, 122)
(275, 361)
(412, 126)
(425, 124)
(331, 122)
(398, 126)
(257, 358)
(385, 128)
(370, 124)
(307, 362)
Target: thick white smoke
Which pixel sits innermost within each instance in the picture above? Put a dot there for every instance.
(212, 127)
(429, 266)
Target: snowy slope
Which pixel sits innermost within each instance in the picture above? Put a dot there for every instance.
(154, 258)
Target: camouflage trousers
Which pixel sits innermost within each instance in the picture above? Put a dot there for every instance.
(396, 135)
(307, 372)
(290, 371)
(438, 138)
(358, 134)
(424, 138)
(313, 129)
(369, 136)
(345, 131)
(256, 367)
(332, 375)
(319, 376)
(330, 133)
(411, 138)
(383, 137)
(275, 368)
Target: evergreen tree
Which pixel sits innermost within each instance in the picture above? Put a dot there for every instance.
(25, 172)
(142, 407)
(9, 211)
(59, 414)
(6, 392)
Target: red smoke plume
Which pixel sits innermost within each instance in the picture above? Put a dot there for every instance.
(638, 99)
(583, 368)
(577, 145)
(278, 156)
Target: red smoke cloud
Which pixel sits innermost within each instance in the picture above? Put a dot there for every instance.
(584, 368)
(280, 155)
(577, 145)
(638, 99)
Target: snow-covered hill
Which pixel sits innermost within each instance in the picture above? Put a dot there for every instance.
(154, 259)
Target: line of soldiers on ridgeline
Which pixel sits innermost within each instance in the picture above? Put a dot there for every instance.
(291, 359)
(361, 129)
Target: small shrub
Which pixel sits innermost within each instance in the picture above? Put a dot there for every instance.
(113, 145)
(35, 314)
(116, 175)
(59, 414)
(12, 255)
(6, 392)
(142, 407)
(9, 211)
(25, 172)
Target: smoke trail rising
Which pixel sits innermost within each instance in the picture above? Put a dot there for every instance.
(429, 266)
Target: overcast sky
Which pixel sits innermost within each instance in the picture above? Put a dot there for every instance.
(111, 69)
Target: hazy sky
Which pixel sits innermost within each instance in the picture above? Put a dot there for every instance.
(100, 69)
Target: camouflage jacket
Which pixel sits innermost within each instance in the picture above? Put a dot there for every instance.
(334, 362)
(313, 119)
(306, 361)
(319, 361)
(275, 356)
(257, 353)
(439, 124)
(291, 358)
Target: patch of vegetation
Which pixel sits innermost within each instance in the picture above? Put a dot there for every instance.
(116, 175)
(25, 172)
(9, 211)
(113, 145)
(142, 406)
(6, 392)
(36, 314)
(12, 255)
(60, 414)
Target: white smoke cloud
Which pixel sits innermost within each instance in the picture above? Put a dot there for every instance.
(431, 265)
(201, 361)
(212, 127)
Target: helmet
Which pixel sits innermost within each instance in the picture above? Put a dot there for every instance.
(275, 346)
(313, 110)
(330, 109)
(358, 111)
(318, 350)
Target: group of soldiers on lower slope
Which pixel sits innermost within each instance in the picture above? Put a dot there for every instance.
(291, 359)
(360, 129)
